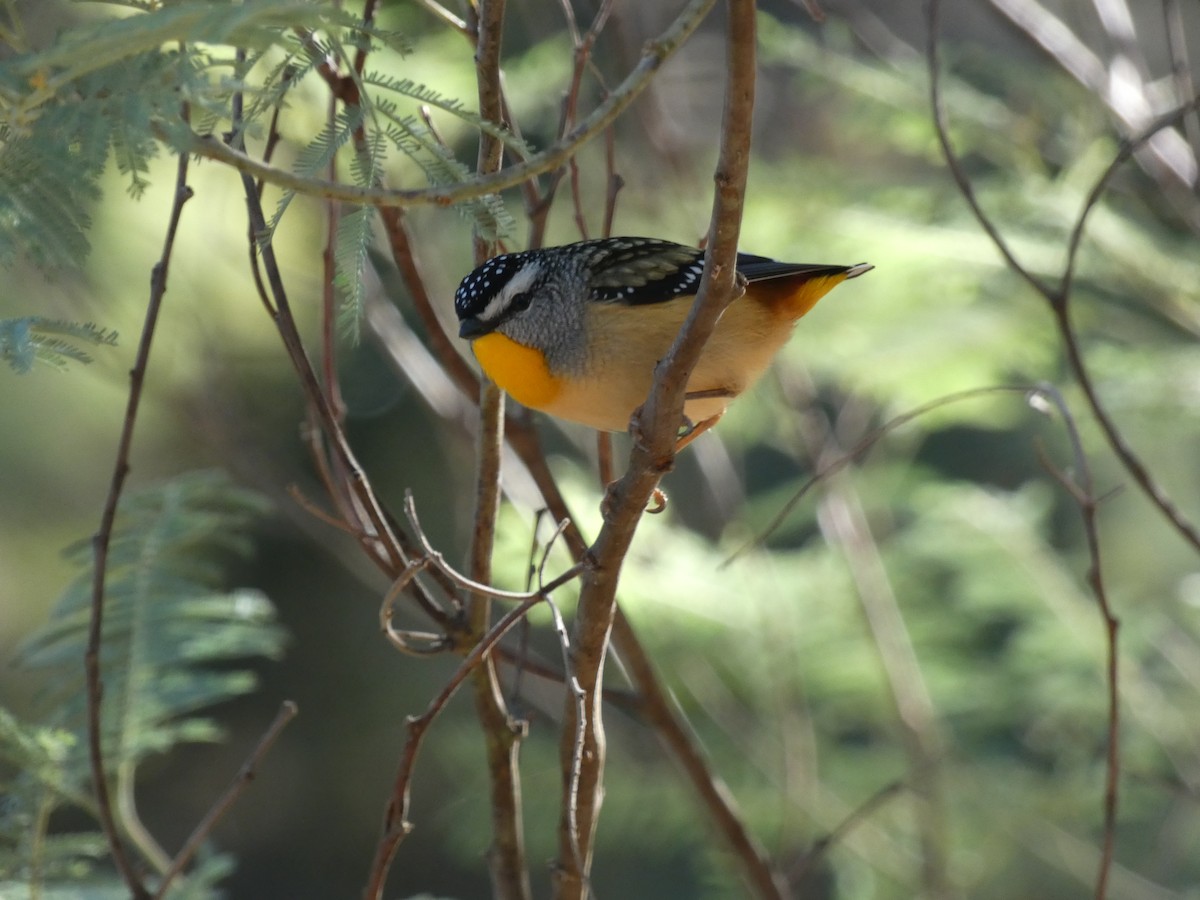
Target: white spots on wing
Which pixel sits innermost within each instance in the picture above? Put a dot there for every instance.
(688, 278)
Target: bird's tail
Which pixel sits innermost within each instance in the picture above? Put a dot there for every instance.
(795, 296)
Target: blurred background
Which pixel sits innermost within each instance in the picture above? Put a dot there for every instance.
(914, 640)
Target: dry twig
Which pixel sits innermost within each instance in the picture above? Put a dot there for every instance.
(241, 781)
(656, 53)
(1080, 486)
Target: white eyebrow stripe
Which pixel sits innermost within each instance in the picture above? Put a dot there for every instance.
(519, 283)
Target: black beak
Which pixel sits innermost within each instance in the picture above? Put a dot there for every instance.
(472, 328)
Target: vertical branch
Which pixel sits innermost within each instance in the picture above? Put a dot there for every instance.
(501, 734)
(845, 524)
(652, 456)
(655, 706)
(103, 538)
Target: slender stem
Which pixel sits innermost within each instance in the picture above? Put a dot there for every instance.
(1080, 486)
(103, 538)
(241, 782)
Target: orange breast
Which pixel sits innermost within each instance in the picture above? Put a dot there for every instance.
(521, 371)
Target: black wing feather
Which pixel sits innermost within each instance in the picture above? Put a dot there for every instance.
(637, 271)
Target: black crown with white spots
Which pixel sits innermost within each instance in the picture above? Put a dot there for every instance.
(628, 270)
(487, 281)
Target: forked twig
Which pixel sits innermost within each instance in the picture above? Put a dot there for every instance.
(1058, 297)
(396, 825)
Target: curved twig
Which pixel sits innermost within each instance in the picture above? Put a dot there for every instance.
(1058, 297)
(436, 559)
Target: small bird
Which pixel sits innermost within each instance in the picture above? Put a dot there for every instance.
(576, 331)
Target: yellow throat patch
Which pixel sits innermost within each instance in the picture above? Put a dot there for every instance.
(520, 370)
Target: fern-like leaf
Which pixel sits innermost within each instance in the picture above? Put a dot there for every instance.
(32, 339)
(350, 257)
(440, 167)
(429, 97)
(40, 783)
(317, 155)
(46, 191)
(170, 632)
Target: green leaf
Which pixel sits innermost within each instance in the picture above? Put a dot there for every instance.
(171, 635)
(31, 339)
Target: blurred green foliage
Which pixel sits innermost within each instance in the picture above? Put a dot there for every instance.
(772, 656)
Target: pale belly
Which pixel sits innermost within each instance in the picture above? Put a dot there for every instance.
(621, 368)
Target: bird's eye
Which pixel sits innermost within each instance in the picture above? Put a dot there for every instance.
(520, 301)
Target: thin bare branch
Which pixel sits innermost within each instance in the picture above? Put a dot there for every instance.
(859, 451)
(475, 587)
(245, 776)
(844, 522)
(820, 848)
(103, 538)
(502, 733)
(377, 536)
(445, 16)
(1080, 486)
